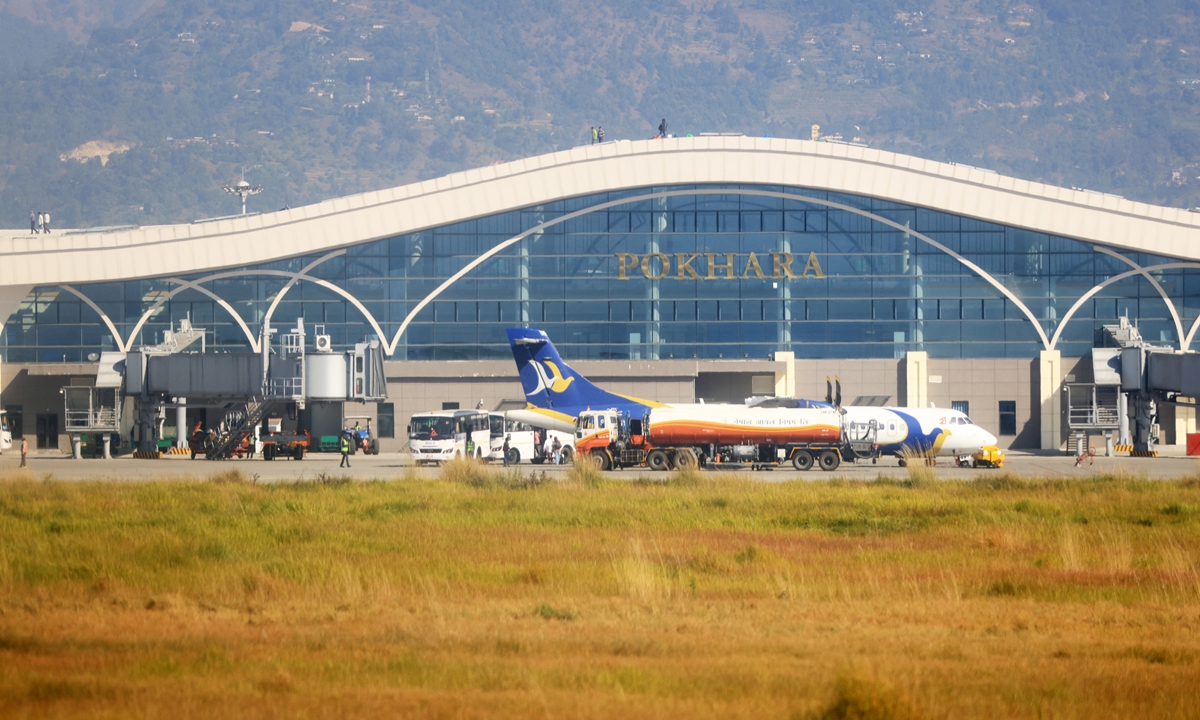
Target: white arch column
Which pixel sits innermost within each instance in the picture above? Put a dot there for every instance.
(1050, 393)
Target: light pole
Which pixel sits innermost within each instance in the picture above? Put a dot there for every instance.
(243, 190)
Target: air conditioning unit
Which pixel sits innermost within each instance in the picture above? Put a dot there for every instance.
(185, 326)
(324, 344)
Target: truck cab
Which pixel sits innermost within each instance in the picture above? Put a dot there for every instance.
(610, 438)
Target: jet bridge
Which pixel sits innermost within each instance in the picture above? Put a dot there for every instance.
(1132, 380)
(245, 388)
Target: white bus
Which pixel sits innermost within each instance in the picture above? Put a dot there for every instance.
(527, 441)
(5, 434)
(435, 437)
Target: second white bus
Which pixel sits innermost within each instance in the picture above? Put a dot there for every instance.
(526, 441)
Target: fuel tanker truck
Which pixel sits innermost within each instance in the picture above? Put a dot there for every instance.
(663, 438)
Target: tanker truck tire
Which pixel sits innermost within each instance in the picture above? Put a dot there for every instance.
(685, 458)
(657, 460)
(802, 460)
(599, 460)
(568, 456)
(829, 460)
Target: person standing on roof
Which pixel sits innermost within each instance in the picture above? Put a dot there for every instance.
(662, 128)
(600, 134)
(593, 134)
(47, 222)
(32, 223)
(41, 220)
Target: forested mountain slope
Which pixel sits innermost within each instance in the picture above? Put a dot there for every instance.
(134, 111)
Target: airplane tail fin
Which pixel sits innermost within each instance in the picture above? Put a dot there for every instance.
(549, 382)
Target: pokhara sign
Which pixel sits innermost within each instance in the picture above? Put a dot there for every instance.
(716, 266)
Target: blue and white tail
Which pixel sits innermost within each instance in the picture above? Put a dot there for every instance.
(551, 384)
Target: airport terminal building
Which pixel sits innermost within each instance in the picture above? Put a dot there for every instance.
(713, 267)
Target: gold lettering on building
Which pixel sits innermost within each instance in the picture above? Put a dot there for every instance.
(713, 266)
(685, 266)
(665, 266)
(656, 266)
(782, 261)
(624, 262)
(814, 266)
(752, 262)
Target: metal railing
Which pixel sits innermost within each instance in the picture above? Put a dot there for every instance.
(1092, 406)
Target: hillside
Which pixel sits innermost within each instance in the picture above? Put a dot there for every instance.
(128, 111)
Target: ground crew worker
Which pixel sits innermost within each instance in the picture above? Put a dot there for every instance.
(504, 449)
(24, 451)
(345, 448)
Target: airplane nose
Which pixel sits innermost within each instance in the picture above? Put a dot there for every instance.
(989, 439)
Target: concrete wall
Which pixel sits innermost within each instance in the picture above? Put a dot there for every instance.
(37, 389)
(984, 384)
(859, 377)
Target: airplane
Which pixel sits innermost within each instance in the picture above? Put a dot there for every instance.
(555, 394)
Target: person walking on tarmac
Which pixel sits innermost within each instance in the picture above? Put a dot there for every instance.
(24, 452)
(504, 450)
(345, 448)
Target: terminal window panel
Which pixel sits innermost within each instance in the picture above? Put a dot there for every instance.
(1008, 417)
(884, 291)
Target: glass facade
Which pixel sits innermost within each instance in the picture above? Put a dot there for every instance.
(666, 272)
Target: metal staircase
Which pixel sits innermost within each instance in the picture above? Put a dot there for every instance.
(238, 425)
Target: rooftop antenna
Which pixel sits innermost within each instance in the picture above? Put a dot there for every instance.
(242, 189)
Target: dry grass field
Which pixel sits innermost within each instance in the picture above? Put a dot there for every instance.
(485, 594)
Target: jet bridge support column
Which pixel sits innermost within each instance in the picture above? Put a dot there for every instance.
(181, 432)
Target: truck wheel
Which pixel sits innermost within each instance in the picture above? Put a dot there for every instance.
(599, 459)
(829, 460)
(657, 460)
(802, 460)
(568, 456)
(685, 458)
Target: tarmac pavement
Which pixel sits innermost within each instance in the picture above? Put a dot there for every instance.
(395, 466)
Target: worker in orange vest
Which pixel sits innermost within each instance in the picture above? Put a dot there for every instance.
(24, 451)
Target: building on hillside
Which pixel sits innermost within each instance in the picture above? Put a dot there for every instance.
(711, 267)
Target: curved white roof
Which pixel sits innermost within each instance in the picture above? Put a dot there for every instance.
(27, 260)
